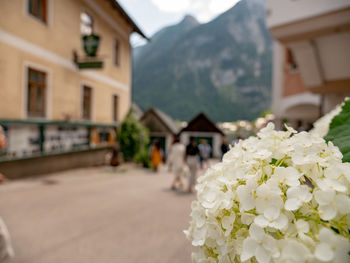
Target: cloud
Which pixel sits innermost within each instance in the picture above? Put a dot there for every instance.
(204, 10)
(171, 6)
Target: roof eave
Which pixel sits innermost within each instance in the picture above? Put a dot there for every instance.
(128, 19)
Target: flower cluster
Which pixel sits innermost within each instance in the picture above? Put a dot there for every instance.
(321, 126)
(277, 197)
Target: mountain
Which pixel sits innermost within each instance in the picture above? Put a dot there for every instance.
(163, 39)
(222, 68)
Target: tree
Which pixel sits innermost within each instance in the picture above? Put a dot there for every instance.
(133, 138)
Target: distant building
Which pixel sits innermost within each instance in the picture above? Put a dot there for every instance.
(201, 127)
(65, 76)
(161, 127)
(311, 57)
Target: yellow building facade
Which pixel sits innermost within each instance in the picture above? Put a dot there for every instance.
(43, 89)
(48, 46)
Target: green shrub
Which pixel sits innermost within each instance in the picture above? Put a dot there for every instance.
(133, 138)
(143, 158)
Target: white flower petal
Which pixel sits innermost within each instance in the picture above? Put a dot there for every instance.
(327, 212)
(292, 181)
(247, 219)
(294, 192)
(294, 251)
(292, 204)
(269, 243)
(245, 197)
(262, 255)
(302, 226)
(304, 193)
(342, 202)
(324, 197)
(199, 236)
(289, 175)
(280, 223)
(261, 221)
(324, 252)
(272, 213)
(227, 221)
(335, 185)
(249, 248)
(325, 235)
(256, 232)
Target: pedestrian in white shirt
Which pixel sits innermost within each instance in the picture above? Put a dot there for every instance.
(176, 161)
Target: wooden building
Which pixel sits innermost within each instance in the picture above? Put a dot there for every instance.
(161, 127)
(201, 127)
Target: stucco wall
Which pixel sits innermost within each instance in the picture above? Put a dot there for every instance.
(287, 11)
(293, 84)
(26, 41)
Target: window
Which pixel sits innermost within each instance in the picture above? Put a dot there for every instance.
(117, 53)
(86, 24)
(115, 107)
(87, 98)
(36, 90)
(38, 8)
(290, 60)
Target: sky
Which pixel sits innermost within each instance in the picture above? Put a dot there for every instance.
(152, 15)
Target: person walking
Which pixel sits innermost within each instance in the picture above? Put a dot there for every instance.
(224, 147)
(192, 159)
(204, 153)
(176, 161)
(114, 162)
(156, 155)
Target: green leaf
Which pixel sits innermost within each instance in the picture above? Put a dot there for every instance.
(339, 131)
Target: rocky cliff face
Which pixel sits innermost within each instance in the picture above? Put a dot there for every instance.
(222, 68)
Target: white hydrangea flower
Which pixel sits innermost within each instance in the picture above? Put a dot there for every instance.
(294, 252)
(321, 126)
(289, 176)
(297, 195)
(227, 223)
(246, 194)
(258, 244)
(267, 195)
(272, 217)
(331, 204)
(332, 248)
(277, 197)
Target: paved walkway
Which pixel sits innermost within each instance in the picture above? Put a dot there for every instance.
(98, 216)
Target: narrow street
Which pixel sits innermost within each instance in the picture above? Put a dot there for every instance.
(97, 215)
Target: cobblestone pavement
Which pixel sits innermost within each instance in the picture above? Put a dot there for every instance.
(97, 215)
